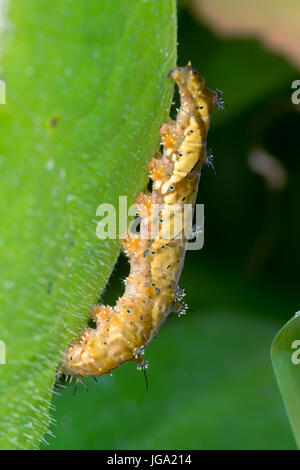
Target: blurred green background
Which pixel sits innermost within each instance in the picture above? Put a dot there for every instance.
(211, 384)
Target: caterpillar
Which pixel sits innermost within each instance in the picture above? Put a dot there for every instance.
(151, 289)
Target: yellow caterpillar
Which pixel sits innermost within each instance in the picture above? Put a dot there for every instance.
(151, 289)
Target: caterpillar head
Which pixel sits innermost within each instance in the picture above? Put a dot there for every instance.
(188, 78)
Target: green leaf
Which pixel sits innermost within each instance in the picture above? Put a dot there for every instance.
(87, 90)
(286, 363)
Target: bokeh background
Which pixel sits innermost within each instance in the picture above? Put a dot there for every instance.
(211, 383)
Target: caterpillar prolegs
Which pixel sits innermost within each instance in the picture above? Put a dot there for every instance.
(151, 289)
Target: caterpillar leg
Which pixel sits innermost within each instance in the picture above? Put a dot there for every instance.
(77, 382)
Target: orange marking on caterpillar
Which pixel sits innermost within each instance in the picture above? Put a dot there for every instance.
(151, 289)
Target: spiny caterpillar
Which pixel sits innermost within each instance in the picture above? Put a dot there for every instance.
(151, 289)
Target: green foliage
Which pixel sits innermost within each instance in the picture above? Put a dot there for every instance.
(86, 94)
